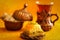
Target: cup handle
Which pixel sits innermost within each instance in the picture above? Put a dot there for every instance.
(56, 18)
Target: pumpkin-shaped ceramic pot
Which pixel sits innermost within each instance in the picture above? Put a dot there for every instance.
(22, 15)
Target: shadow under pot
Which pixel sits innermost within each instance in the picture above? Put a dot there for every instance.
(13, 26)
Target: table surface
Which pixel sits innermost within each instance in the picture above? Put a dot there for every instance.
(53, 34)
(9, 35)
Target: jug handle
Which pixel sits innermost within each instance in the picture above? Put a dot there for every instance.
(55, 19)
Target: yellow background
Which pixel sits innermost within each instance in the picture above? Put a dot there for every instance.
(9, 6)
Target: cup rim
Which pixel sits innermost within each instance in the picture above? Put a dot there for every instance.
(38, 3)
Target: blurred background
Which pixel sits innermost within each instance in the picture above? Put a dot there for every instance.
(9, 6)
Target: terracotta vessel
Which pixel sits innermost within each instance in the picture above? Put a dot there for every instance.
(13, 26)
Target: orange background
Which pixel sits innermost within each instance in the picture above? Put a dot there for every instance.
(9, 6)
